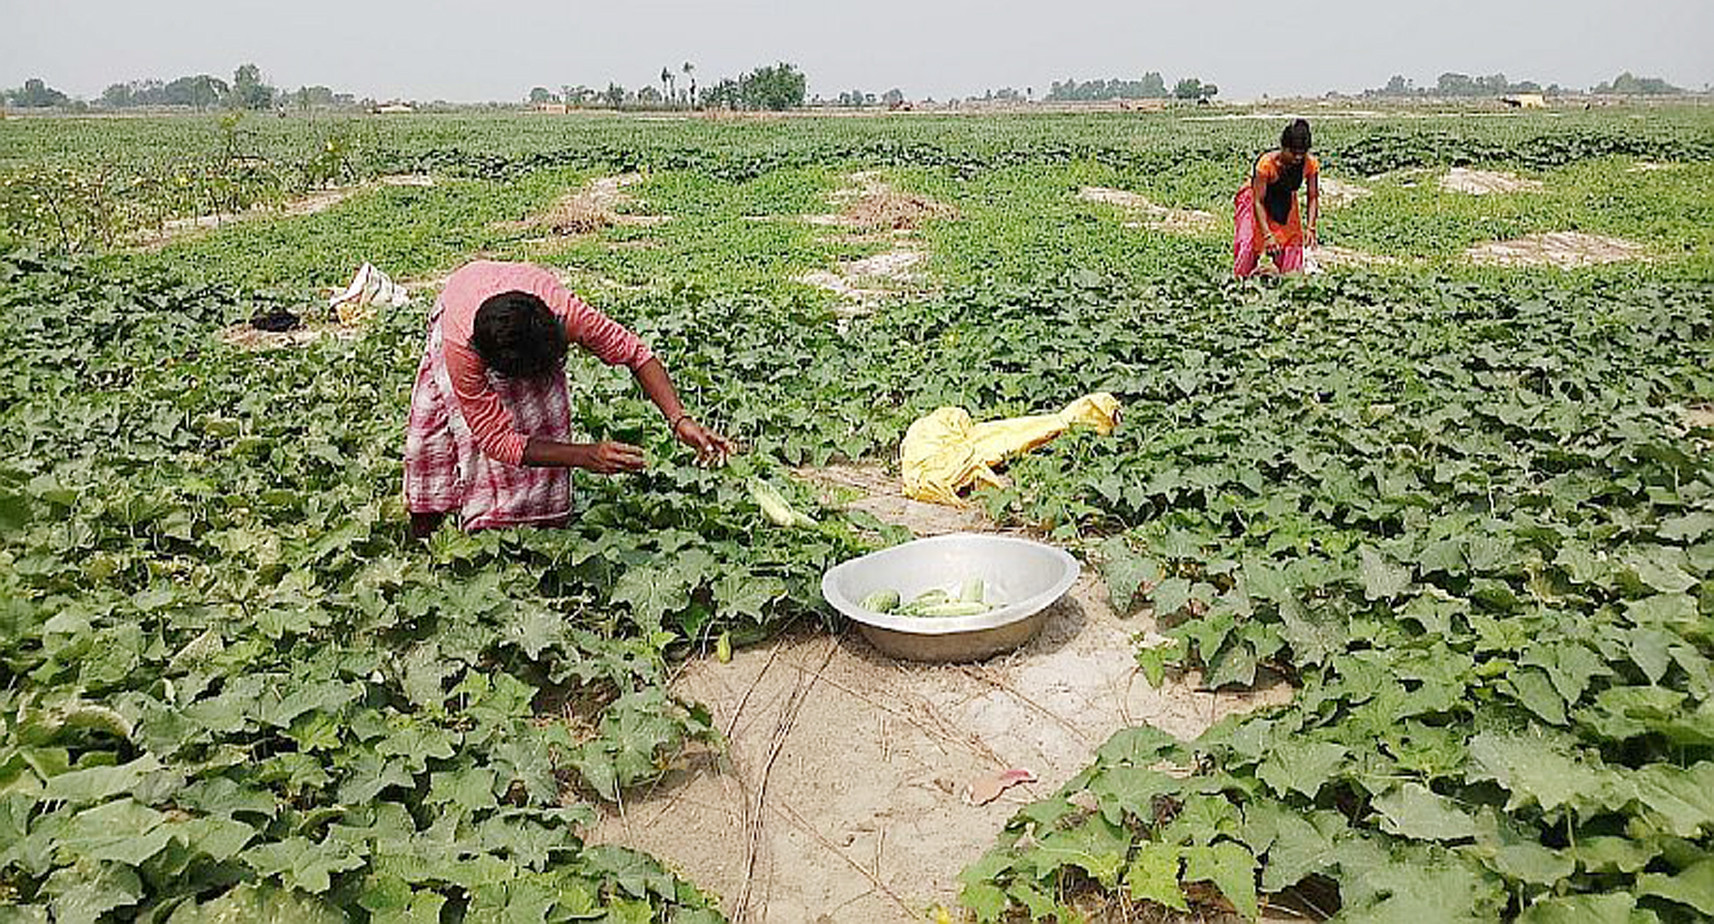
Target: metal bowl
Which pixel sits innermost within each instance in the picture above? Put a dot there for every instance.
(1024, 578)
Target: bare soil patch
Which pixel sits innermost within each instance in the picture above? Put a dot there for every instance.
(1340, 193)
(250, 339)
(1700, 417)
(1564, 249)
(320, 200)
(1486, 182)
(841, 795)
(1332, 256)
(866, 282)
(1407, 177)
(602, 204)
(1152, 216)
(869, 203)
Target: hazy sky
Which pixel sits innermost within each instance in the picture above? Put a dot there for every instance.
(434, 49)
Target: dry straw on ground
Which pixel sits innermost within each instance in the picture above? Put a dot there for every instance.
(1340, 193)
(602, 204)
(309, 204)
(1564, 249)
(1486, 182)
(869, 203)
(1148, 214)
(867, 282)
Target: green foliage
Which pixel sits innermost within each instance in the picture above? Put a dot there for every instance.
(777, 87)
(224, 665)
(1630, 84)
(1468, 524)
(34, 94)
(158, 169)
(1151, 86)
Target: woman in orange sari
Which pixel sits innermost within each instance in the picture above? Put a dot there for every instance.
(1266, 217)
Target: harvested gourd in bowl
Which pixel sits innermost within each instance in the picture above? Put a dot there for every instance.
(969, 600)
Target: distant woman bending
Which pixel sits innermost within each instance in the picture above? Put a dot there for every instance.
(1266, 216)
(490, 427)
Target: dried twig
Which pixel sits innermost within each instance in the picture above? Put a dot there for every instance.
(791, 815)
(971, 743)
(1002, 685)
(782, 730)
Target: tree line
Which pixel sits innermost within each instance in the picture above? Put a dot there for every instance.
(770, 87)
(246, 90)
(773, 87)
(1150, 86)
(1454, 84)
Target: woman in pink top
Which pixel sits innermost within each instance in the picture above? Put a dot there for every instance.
(490, 429)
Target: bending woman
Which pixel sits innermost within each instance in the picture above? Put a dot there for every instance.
(1266, 215)
(490, 428)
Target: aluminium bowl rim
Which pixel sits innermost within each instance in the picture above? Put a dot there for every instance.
(954, 625)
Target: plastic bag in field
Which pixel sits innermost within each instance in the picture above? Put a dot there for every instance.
(946, 452)
(1311, 261)
(368, 289)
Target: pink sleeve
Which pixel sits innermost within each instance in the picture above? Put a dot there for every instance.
(594, 331)
(487, 418)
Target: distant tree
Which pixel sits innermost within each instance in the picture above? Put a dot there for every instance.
(725, 94)
(690, 90)
(566, 94)
(649, 96)
(1455, 84)
(614, 96)
(200, 91)
(1151, 86)
(1629, 84)
(36, 94)
(1188, 88)
(853, 98)
(777, 87)
(117, 96)
(539, 95)
(893, 97)
(248, 90)
(310, 97)
(1495, 85)
(1209, 91)
(666, 83)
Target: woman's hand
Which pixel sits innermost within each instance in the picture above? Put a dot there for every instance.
(1269, 245)
(609, 457)
(711, 448)
(1310, 240)
(604, 458)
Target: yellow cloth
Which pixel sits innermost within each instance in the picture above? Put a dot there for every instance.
(945, 452)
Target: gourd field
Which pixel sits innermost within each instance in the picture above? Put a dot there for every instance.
(1419, 542)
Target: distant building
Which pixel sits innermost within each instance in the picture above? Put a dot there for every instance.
(553, 108)
(392, 108)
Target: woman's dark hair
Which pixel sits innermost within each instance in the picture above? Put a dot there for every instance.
(1296, 136)
(517, 336)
